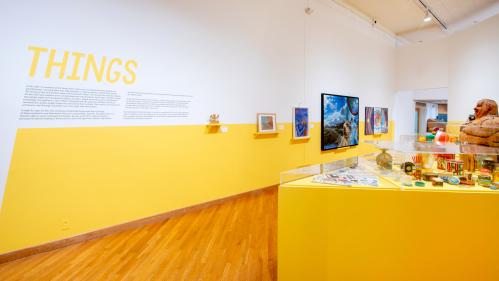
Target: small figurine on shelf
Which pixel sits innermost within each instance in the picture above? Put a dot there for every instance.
(214, 119)
(484, 129)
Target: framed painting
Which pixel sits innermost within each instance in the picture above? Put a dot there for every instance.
(369, 124)
(339, 121)
(266, 123)
(300, 123)
(384, 120)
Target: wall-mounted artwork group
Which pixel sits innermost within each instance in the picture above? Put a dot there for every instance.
(376, 121)
(340, 121)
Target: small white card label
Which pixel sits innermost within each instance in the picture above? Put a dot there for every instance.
(281, 127)
(224, 129)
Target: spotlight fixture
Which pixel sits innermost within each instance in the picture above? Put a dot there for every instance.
(430, 15)
(427, 17)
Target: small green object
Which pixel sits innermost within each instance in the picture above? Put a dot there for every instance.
(420, 183)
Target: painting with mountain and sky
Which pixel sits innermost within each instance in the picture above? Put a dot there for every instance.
(340, 121)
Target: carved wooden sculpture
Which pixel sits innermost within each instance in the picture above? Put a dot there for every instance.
(484, 129)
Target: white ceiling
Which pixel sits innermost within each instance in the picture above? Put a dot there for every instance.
(404, 18)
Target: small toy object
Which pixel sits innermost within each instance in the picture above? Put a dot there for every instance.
(455, 167)
(494, 187)
(437, 182)
(465, 181)
(417, 159)
(214, 118)
(430, 137)
(428, 176)
(453, 180)
(441, 137)
(485, 180)
(442, 160)
(407, 167)
(421, 138)
(417, 173)
(420, 183)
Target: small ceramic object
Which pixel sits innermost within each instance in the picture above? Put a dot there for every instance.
(420, 183)
(384, 160)
(454, 180)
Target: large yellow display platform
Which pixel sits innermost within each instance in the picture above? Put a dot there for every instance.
(351, 233)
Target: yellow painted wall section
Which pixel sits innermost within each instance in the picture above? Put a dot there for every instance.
(68, 181)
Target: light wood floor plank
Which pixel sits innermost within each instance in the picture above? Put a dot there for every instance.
(236, 240)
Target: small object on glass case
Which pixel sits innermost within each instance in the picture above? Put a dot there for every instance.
(437, 182)
(407, 167)
(454, 180)
(420, 183)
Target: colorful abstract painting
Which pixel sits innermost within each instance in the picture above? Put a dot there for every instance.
(340, 121)
(300, 123)
(377, 120)
(369, 125)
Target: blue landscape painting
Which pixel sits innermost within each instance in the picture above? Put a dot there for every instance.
(340, 121)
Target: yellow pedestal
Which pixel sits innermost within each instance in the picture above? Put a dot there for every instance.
(347, 233)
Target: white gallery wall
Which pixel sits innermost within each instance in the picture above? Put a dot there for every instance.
(462, 68)
(235, 58)
(473, 67)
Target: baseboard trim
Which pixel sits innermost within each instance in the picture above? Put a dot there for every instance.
(26, 252)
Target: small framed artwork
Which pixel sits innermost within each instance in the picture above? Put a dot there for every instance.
(369, 124)
(266, 123)
(300, 123)
(377, 121)
(384, 120)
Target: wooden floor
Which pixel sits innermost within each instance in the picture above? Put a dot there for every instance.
(236, 240)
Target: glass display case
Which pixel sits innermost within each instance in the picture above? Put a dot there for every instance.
(408, 164)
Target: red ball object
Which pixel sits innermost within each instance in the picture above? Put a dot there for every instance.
(441, 137)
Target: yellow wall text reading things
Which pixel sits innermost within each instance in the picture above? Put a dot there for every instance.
(112, 70)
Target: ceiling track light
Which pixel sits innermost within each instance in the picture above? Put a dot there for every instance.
(427, 16)
(430, 14)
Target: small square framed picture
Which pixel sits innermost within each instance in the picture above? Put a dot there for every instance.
(300, 123)
(266, 122)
